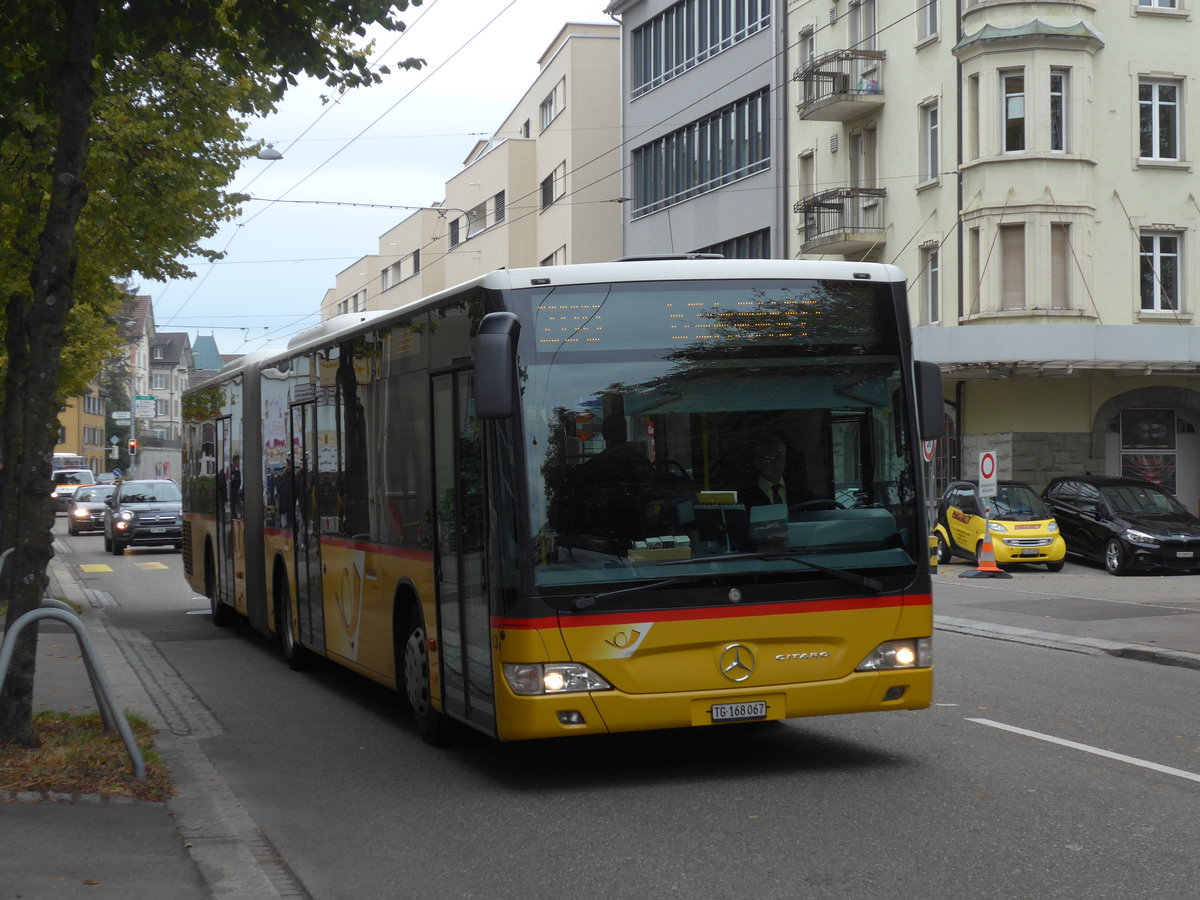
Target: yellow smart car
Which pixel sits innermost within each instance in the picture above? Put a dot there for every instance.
(1023, 528)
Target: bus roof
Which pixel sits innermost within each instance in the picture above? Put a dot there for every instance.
(683, 268)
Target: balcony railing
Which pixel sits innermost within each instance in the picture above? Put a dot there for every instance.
(841, 85)
(844, 220)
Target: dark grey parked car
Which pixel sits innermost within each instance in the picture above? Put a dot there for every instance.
(143, 513)
(1124, 523)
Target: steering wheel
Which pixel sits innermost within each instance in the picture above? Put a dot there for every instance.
(819, 503)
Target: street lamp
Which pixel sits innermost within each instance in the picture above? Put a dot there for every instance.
(269, 153)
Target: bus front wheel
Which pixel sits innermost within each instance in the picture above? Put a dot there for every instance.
(432, 725)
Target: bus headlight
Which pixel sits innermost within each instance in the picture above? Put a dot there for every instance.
(552, 678)
(912, 654)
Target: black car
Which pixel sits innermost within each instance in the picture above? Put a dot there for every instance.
(1124, 523)
(143, 513)
(85, 510)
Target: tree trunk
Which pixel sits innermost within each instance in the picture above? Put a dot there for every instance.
(35, 337)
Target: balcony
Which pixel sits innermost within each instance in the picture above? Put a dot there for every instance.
(845, 220)
(841, 85)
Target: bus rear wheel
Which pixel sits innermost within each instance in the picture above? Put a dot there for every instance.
(295, 655)
(432, 725)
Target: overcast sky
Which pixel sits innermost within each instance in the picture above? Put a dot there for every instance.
(394, 143)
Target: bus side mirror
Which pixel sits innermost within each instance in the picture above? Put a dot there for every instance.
(931, 416)
(496, 365)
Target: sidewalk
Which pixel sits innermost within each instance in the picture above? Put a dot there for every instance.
(67, 846)
(1150, 617)
(89, 846)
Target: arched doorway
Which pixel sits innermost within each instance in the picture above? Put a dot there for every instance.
(1153, 433)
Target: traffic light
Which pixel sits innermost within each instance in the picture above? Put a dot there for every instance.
(132, 447)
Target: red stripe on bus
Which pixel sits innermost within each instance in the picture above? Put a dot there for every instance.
(383, 549)
(733, 612)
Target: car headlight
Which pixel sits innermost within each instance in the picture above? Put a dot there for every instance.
(126, 515)
(997, 527)
(552, 678)
(916, 653)
(1140, 537)
(1052, 527)
(80, 513)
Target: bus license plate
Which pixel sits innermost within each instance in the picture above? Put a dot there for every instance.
(739, 712)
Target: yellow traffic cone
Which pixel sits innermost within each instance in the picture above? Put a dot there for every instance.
(985, 566)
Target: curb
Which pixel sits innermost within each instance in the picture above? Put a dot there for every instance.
(1093, 646)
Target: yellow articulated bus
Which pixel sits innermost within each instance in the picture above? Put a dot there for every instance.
(585, 499)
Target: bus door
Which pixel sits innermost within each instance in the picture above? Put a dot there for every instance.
(224, 543)
(306, 526)
(464, 620)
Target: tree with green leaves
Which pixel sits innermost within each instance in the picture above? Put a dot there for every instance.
(121, 123)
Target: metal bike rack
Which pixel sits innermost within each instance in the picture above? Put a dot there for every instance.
(56, 609)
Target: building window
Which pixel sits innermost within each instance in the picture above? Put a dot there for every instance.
(1058, 110)
(729, 144)
(808, 46)
(862, 25)
(557, 258)
(158, 381)
(974, 273)
(929, 142)
(525, 129)
(1159, 4)
(1159, 263)
(808, 174)
(1013, 84)
(454, 234)
(554, 103)
(387, 277)
(1158, 107)
(1012, 266)
(932, 292)
(162, 407)
(756, 245)
(498, 208)
(687, 33)
(157, 353)
(973, 117)
(1060, 268)
(927, 14)
(554, 185)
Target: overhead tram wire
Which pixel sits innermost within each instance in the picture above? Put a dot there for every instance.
(620, 145)
(407, 30)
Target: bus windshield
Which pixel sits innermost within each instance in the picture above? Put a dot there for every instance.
(705, 428)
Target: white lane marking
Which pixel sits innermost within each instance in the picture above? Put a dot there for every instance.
(1086, 748)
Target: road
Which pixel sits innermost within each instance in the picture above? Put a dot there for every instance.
(1037, 773)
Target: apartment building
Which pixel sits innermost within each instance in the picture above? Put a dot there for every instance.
(544, 189)
(704, 113)
(159, 436)
(81, 428)
(1030, 166)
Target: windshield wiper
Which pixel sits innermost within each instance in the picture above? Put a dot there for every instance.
(587, 601)
(854, 578)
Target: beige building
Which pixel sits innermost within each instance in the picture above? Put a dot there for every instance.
(543, 190)
(1030, 166)
(81, 428)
